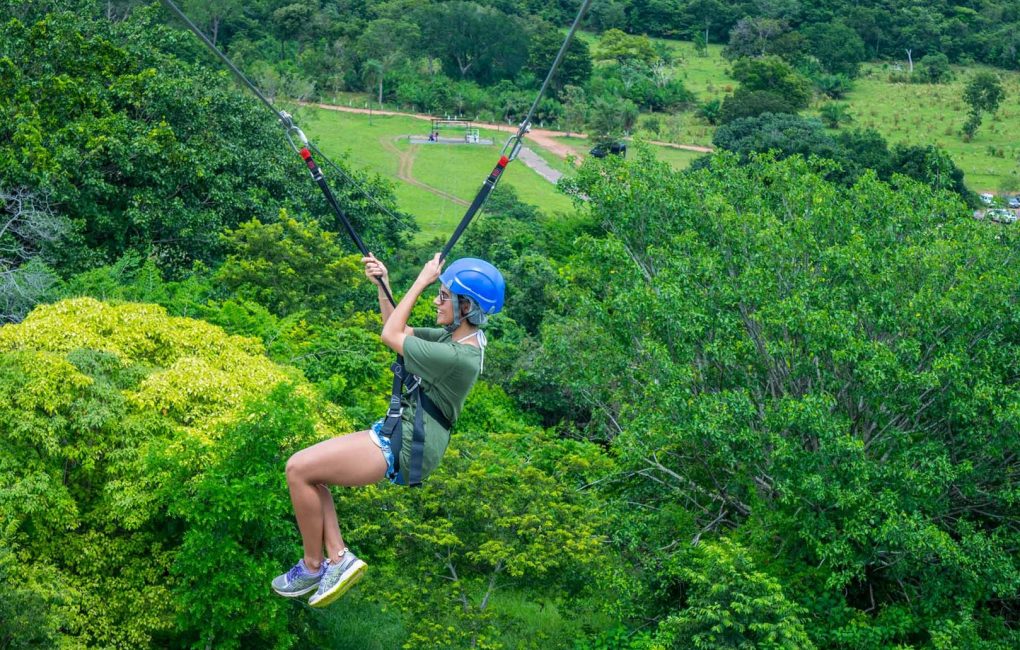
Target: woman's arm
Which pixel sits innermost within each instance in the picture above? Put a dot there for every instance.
(395, 328)
(376, 272)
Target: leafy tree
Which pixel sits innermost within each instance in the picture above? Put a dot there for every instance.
(29, 229)
(110, 418)
(612, 118)
(935, 68)
(575, 68)
(474, 42)
(290, 267)
(834, 114)
(753, 37)
(983, 93)
(617, 46)
(818, 372)
(212, 14)
(384, 44)
(140, 150)
(772, 74)
(865, 149)
(746, 103)
(608, 14)
(703, 15)
(931, 165)
(787, 135)
(575, 108)
(732, 604)
(711, 111)
(839, 49)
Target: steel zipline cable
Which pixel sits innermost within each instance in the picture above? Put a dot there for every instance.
(509, 152)
(291, 130)
(513, 144)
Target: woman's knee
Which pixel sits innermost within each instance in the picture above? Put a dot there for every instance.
(297, 468)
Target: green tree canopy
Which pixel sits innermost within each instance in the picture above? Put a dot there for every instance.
(139, 149)
(825, 370)
(774, 75)
(838, 47)
(474, 41)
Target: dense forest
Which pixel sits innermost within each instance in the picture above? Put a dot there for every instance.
(771, 401)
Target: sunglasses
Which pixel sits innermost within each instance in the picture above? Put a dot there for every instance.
(444, 296)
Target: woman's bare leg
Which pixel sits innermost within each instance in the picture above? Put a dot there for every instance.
(331, 537)
(350, 461)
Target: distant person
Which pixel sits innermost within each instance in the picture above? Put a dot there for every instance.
(448, 360)
(432, 137)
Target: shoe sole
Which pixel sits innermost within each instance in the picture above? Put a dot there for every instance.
(343, 585)
(295, 594)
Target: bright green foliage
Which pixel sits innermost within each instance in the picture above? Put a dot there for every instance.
(828, 370)
(620, 47)
(291, 267)
(731, 604)
(838, 48)
(835, 114)
(128, 437)
(935, 68)
(502, 511)
(774, 75)
(139, 149)
(983, 93)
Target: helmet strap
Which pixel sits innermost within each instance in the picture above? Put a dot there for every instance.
(455, 304)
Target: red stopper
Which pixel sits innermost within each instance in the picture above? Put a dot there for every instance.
(305, 153)
(503, 161)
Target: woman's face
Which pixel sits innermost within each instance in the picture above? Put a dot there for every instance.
(444, 306)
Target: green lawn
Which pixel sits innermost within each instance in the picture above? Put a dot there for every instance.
(902, 113)
(374, 143)
(923, 114)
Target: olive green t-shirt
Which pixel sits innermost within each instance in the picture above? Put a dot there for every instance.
(448, 370)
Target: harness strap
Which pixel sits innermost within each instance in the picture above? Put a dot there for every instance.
(393, 426)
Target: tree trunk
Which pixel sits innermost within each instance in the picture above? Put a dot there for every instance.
(215, 28)
(910, 61)
(380, 88)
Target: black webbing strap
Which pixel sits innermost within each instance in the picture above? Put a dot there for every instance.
(393, 426)
(513, 145)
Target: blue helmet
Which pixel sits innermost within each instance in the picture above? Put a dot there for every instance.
(478, 280)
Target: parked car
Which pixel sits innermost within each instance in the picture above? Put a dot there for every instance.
(616, 148)
(1014, 202)
(986, 198)
(1001, 216)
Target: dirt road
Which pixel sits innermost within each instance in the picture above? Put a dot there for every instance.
(544, 138)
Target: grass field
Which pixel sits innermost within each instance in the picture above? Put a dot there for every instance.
(902, 113)
(378, 144)
(923, 114)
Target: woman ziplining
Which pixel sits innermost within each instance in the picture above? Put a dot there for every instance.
(448, 361)
(432, 376)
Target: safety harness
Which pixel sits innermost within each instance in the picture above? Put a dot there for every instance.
(405, 385)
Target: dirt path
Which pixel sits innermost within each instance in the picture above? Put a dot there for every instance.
(405, 170)
(544, 138)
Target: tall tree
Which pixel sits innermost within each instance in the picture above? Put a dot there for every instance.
(387, 42)
(474, 42)
(29, 228)
(983, 93)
